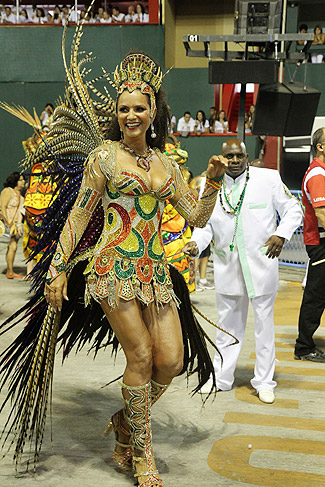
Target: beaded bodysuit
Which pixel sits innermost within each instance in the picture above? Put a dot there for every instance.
(129, 260)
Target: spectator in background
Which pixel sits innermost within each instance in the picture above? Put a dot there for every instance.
(64, 14)
(40, 16)
(201, 123)
(213, 116)
(23, 17)
(251, 116)
(100, 14)
(172, 124)
(46, 117)
(319, 39)
(11, 214)
(141, 16)
(8, 17)
(49, 17)
(130, 16)
(220, 124)
(303, 29)
(57, 15)
(117, 16)
(107, 19)
(186, 125)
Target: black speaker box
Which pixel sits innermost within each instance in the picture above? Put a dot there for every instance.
(224, 72)
(285, 109)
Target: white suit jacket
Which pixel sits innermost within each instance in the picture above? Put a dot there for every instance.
(247, 267)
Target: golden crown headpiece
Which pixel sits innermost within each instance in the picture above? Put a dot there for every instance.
(138, 71)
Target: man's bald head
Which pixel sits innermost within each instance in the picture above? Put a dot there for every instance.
(234, 150)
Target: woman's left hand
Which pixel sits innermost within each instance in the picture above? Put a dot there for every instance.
(217, 166)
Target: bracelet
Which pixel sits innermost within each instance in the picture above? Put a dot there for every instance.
(217, 179)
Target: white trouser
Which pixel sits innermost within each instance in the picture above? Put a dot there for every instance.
(232, 317)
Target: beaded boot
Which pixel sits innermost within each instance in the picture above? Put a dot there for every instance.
(123, 452)
(138, 401)
(123, 457)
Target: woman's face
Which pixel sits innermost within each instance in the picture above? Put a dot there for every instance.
(20, 183)
(222, 115)
(133, 113)
(139, 9)
(199, 116)
(318, 31)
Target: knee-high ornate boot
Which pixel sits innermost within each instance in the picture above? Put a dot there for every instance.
(138, 401)
(157, 391)
(123, 450)
(119, 422)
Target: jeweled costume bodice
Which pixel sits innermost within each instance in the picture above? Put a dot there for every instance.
(129, 260)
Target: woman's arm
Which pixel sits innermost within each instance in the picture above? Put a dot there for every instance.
(5, 198)
(197, 213)
(90, 193)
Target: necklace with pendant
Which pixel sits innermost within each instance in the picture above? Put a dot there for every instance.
(235, 210)
(143, 160)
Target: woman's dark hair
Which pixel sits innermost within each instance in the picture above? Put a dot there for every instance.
(12, 180)
(24, 10)
(318, 27)
(142, 7)
(160, 123)
(41, 10)
(225, 117)
(203, 116)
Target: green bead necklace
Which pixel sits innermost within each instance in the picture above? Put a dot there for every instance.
(234, 210)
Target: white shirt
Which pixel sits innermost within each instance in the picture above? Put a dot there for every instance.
(141, 17)
(172, 122)
(9, 18)
(129, 18)
(218, 127)
(106, 21)
(200, 127)
(119, 17)
(247, 266)
(184, 127)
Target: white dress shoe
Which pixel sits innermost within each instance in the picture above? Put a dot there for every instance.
(266, 396)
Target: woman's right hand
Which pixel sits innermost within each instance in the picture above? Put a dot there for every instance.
(56, 290)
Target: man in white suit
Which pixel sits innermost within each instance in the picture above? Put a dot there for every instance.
(247, 244)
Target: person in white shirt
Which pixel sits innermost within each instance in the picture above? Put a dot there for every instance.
(221, 123)
(40, 16)
(8, 17)
(201, 123)
(100, 14)
(106, 19)
(141, 16)
(130, 16)
(247, 244)
(23, 17)
(117, 16)
(186, 125)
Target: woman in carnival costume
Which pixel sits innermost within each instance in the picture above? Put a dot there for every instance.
(104, 222)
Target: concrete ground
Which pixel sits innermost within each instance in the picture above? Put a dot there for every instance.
(233, 441)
